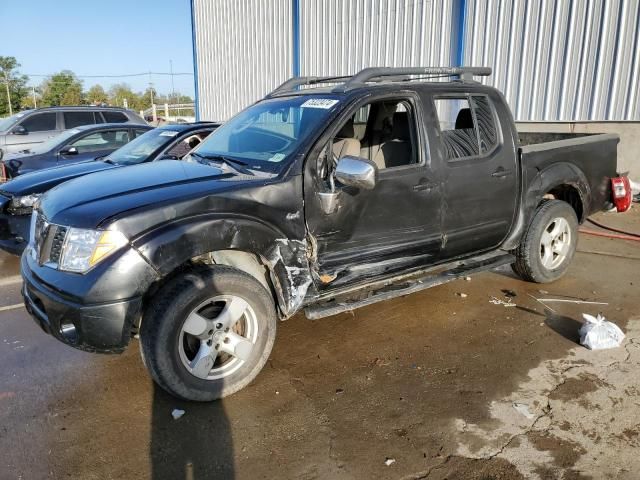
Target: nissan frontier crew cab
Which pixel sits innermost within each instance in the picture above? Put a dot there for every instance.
(329, 194)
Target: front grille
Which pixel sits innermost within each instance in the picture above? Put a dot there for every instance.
(48, 240)
(56, 244)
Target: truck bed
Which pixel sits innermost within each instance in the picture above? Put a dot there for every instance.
(594, 155)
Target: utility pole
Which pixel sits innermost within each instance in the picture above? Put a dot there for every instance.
(35, 102)
(150, 88)
(173, 91)
(6, 80)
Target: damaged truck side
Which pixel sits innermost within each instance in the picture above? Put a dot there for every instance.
(329, 194)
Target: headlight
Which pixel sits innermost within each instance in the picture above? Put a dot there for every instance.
(23, 205)
(85, 248)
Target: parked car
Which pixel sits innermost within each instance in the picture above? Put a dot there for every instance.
(18, 196)
(24, 130)
(80, 144)
(315, 199)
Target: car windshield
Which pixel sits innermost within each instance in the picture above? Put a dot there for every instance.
(142, 147)
(8, 122)
(264, 136)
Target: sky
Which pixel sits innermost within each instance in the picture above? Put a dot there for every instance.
(106, 37)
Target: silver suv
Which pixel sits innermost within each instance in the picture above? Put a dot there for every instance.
(22, 130)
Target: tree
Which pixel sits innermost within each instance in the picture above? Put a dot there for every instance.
(120, 92)
(96, 95)
(14, 86)
(62, 88)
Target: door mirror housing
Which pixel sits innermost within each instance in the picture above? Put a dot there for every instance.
(357, 172)
(19, 130)
(69, 151)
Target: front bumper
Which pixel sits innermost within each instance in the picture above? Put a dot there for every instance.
(83, 322)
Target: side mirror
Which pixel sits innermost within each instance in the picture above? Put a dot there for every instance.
(357, 172)
(69, 151)
(19, 130)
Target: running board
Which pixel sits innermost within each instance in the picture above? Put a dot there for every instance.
(406, 287)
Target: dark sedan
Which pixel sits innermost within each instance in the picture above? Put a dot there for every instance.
(17, 197)
(80, 144)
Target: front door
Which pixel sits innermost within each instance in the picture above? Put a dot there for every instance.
(393, 227)
(479, 174)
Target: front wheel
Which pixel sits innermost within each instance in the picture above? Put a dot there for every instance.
(208, 333)
(549, 244)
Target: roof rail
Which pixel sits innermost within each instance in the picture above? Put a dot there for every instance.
(295, 82)
(466, 74)
(392, 74)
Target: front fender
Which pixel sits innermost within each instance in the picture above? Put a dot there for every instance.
(175, 243)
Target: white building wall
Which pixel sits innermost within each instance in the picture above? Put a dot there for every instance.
(342, 37)
(243, 51)
(558, 59)
(555, 60)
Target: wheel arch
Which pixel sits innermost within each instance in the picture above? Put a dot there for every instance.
(258, 249)
(562, 181)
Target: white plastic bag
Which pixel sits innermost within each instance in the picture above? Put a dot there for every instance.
(596, 333)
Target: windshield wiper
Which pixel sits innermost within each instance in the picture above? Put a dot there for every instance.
(234, 163)
(106, 160)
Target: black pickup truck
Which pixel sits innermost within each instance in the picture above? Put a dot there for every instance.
(329, 194)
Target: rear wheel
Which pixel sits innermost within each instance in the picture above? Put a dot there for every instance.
(548, 246)
(208, 333)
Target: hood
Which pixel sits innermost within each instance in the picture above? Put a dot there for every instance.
(88, 201)
(40, 181)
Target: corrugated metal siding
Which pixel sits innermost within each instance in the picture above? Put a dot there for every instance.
(559, 59)
(243, 51)
(342, 37)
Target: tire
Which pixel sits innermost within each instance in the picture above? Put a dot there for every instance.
(532, 256)
(176, 351)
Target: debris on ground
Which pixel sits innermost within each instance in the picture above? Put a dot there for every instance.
(389, 461)
(467, 278)
(497, 301)
(339, 391)
(462, 295)
(523, 409)
(177, 413)
(597, 333)
(509, 293)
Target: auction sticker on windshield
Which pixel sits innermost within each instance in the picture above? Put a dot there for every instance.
(324, 103)
(168, 133)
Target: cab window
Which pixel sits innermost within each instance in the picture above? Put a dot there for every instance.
(111, 139)
(467, 124)
(40, 122)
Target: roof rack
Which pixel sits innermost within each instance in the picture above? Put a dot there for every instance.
(390, 74)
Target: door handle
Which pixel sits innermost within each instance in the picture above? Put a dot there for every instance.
(501, 173)
(424, 185)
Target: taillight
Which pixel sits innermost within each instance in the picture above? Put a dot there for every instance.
(621, 193)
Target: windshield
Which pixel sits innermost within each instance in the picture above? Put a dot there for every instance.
(8, 122)
(265, 135)
(141, 148)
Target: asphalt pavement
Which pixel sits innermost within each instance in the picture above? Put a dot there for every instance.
(432, 385)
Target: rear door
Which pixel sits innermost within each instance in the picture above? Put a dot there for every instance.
(480, 174)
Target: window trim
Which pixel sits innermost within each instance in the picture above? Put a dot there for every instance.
(467, 96)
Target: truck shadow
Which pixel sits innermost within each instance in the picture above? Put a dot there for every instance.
(196, 446)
